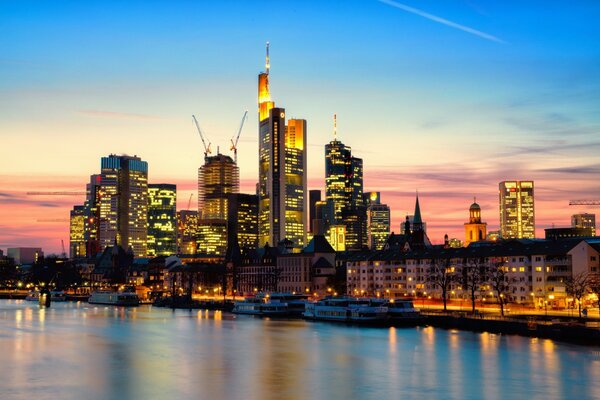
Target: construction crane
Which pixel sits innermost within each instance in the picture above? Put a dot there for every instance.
(584, 203)
(55, 193)
(190, 202)
(207, 150)
(64, 252)
(234, 143)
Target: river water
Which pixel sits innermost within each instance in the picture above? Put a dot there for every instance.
(79, 351)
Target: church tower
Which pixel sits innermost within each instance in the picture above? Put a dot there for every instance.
(475, 230)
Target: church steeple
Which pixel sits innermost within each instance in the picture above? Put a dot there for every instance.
(417, 221)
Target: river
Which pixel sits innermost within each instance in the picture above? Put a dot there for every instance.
(79, 351)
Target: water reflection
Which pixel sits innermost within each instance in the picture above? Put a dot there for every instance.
(74, 350)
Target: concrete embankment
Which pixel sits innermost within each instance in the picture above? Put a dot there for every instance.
(567, 331)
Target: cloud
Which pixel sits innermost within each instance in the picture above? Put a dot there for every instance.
(442, 21)
(118, 115)
(580, 169)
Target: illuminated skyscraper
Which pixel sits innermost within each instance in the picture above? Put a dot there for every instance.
(217, 179)
(475, 230)
(282, 171)
(314, 196)
(123, 203)
(243, 219)
(344, 192)
(187, 231)
(77, 246)
(584, 220)
(378, 220)
(517, 216)
(162, 224)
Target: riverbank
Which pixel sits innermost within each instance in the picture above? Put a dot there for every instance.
(576, 331)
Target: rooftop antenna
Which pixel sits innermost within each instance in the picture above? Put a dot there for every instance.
(267, 64)
(334, 127)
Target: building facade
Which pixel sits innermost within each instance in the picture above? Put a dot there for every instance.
(378, 220)
(187, 231)
(584, 220)
(77, 246)
(162, 219)
(123, 203)
(243, 219)
(517, 211)
(218, 178)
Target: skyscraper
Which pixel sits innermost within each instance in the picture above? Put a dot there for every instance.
(162, 222)
(217, 179)
(123, 203)
(517, 215)
(187, 231)
(77, 246)
(243, 219)
(378, 220)
(281, 169)
(475, 230)
(584, 220)
(344, 192)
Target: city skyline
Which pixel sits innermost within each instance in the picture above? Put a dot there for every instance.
(517, 104)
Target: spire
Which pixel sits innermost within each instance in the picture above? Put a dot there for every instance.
(267, 64)
(334, 127)
(417, 217)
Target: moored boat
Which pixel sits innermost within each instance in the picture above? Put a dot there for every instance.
(260, 306)
(345, 310)
(112, 298)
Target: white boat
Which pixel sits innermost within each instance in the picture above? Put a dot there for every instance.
(58, 295)
(296, 302)
(34, 295)
(400, 311)
(112, 298)
(260, 306)
(345, 310)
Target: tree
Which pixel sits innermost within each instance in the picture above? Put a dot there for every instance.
(440, 274)
(473, 275)
(594, 285)
(577, 286)
(497, 277)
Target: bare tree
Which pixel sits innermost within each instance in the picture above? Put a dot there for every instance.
(497, 277)
(577, 286)
(473, 275)
(441, 274)
(594, 285)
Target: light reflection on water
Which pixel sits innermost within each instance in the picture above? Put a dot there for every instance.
(78, 351)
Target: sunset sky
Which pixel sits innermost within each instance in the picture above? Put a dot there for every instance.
(447, 98)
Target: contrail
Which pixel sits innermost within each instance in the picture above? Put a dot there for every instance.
(441, 20)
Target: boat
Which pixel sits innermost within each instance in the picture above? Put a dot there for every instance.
(261, 306)
(34, 295)
(58, 295)
(346, 310)
(296, 302)
(112, 298)
(400, 311)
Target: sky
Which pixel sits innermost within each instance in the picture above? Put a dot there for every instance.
(447, 98)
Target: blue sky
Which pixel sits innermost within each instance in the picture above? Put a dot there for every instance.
(427, 105)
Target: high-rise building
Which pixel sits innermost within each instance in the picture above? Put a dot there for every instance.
(77, 247)
(243, 219)
(344, 192)
(517, 215)
(584, 220)
(92, 217)
(187, 231)
(162, 219)
(282, 171)
(123, 203)
(295, 182)
(217, 179)
(378, 221)
(314, 196)
(475, 230)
